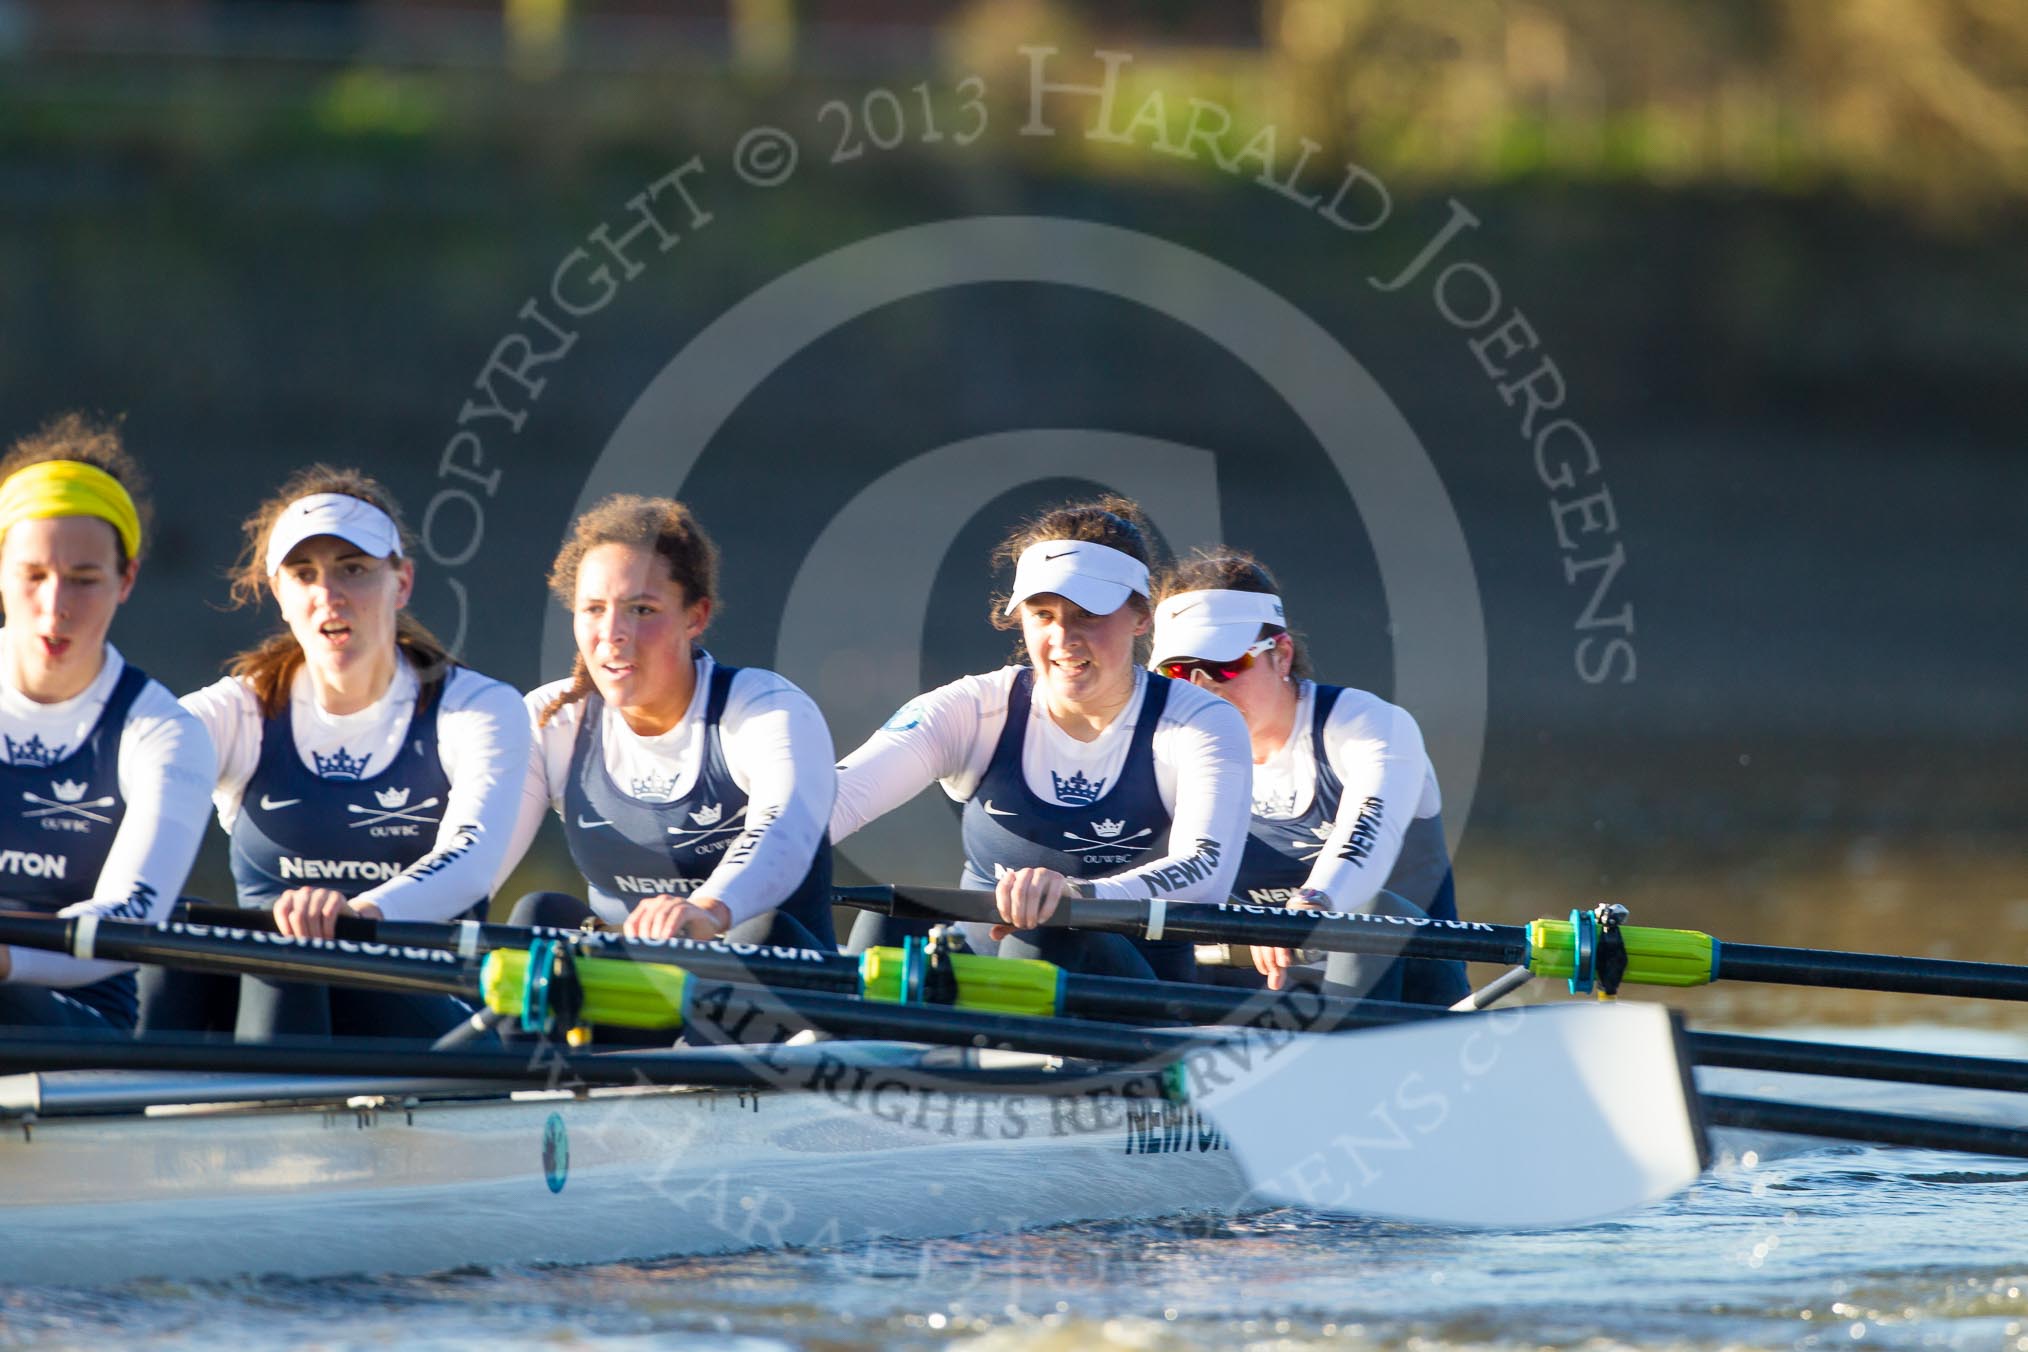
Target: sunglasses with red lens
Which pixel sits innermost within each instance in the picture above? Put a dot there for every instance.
(1183, 668)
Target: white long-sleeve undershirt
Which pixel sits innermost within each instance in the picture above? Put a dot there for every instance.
(165, 770)
(947, 736)
(482, 744)
(1377, 751)
(777, 747)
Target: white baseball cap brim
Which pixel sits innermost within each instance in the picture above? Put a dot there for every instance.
(351, 519)
(1215, 625)
(1096, 577)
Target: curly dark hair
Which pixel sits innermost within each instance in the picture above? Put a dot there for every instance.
(661, 524)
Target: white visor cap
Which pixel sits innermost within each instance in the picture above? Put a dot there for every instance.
(1096, 577)
(1215, 625)
(351, 519)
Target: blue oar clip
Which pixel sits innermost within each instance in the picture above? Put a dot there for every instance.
(535, 990)
(928, 976)
(1599, 958)
(914, 961)
(552, 999)
(1584, 940)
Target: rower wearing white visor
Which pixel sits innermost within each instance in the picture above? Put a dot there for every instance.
(1079, 771)
(1346, 809)
(693, 794)
(103, 775)
(361, 770)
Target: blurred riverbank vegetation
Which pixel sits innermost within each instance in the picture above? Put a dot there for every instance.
(1918, 103)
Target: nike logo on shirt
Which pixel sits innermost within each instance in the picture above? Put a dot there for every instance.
(588, 825)
(270, 804)
(996, 811)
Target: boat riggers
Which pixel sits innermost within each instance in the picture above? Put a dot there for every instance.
(556, 990)
(1013, 1002)
(647, 984)
(1551, 948)
(652, 997)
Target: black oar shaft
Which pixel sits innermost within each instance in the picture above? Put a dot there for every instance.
(369, 965)
(1354, 932)
(714, 958)
(1742, 1052)
(1223, 922)
(1123, 998)
(1871, 972)
(1852, 1124)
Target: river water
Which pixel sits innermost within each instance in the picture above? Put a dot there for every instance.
(1784, 1244)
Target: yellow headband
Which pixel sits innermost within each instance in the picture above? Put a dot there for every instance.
(70, 488)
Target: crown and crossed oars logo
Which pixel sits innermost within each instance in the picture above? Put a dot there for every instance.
(393, 807)
(1105, 835)
(710, 821)
(69, 801)
(1105, 832)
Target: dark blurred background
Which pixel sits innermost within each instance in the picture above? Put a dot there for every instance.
(1778, 251)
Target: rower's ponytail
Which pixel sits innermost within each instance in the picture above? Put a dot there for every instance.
(579, 688)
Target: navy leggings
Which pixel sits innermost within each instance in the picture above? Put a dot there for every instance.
(51, 1007)
(255, 1009)
(1382, 976)
(270, 1009)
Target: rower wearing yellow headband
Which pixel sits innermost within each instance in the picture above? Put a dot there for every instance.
(103, 774)
(53, 489)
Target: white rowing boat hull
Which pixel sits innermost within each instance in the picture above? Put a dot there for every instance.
(554, 1179)
(1550, 1116)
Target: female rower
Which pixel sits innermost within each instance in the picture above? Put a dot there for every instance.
(361, 771)
(1079, 771)
(110, 768)
(1346, 810)
(693, 795)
